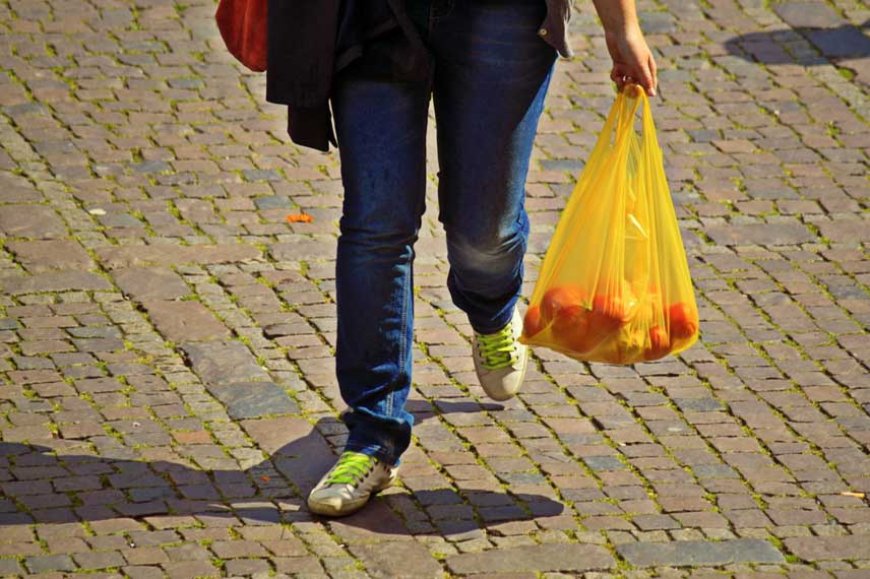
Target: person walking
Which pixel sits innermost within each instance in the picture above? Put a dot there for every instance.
(487, 65)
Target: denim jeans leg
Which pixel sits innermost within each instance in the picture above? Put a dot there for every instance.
(381, 131)
(491, 77)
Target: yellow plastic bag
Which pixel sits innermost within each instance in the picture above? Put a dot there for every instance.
(614, 286)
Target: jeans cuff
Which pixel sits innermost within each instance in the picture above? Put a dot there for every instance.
(377, 451)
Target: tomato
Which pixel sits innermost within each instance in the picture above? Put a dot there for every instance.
(564, 307)
(532, 323)
(561, 301)
(614, 309)
(579, 337)
(659, 344)
(608, 313)
(683, 321)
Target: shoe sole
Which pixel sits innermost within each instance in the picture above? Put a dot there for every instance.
(328, 510)
(349, 508)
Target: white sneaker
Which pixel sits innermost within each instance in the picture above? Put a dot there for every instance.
(349, 484)
(500, 360)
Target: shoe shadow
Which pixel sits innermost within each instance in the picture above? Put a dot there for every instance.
(841, 43)
(40, 485)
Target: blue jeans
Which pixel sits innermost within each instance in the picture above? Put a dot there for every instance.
(490, 72)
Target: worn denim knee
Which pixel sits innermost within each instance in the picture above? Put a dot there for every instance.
(486, 273)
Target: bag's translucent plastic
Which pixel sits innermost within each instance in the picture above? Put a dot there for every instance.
(614, 286)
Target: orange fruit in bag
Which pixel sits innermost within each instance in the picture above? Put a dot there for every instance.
(683, 320)
(659, 344)
(564, 307)
(608, 313)
(532, 322)
(580, 337)
(562, 303)
(613, 310)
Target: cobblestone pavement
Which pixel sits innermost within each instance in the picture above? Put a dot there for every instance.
(166, 335)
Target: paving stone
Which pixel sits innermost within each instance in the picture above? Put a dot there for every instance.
(183, 569)
(145, 555)
(695, 553)
(223, 363)
(115, 257)
(704, 471)
(143, 572)
(152, 167)
(33, 221)
(261, 175)
(99, 560)
(304, 248)
(766, 234)
(247, 567)
(185, 321)
(652, 522)
(299, 566)
(852, 232)
(10, 567)
(254, 399)
(44, 563)
(842, 42)
(397, 559)
(808, 14)
(599, 463)
(273, 202)
(45, 255)
(539, 558)
(698, 404)
(143, 283)
(829, 548)
(59, 281)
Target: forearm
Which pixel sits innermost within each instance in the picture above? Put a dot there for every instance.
(617, 16)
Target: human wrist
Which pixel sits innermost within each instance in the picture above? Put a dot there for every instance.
(625, 28)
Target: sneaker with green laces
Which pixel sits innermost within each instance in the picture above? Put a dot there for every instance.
(349, 484)
(500, 360)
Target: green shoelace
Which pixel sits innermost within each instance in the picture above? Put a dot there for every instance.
(497, 350)
(351, 468)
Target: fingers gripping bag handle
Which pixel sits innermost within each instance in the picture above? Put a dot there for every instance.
(614, 285)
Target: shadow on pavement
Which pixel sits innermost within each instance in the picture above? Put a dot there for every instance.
(39, 486)
(844, 42)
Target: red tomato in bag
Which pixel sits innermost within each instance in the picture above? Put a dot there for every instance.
(577, 333)
(532, 323)
(561, 302)
(659, 344)
(564, 307)
(608, 313)
(683, 321)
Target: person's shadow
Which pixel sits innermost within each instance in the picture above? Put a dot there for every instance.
(843, 42)
(41, 486)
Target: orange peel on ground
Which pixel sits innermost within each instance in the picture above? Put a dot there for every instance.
(299, 218)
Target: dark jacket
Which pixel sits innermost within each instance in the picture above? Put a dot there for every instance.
(311, 40)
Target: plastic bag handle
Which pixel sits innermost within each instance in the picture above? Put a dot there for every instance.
(629, 99)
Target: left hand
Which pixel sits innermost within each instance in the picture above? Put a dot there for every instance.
(633, 62)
